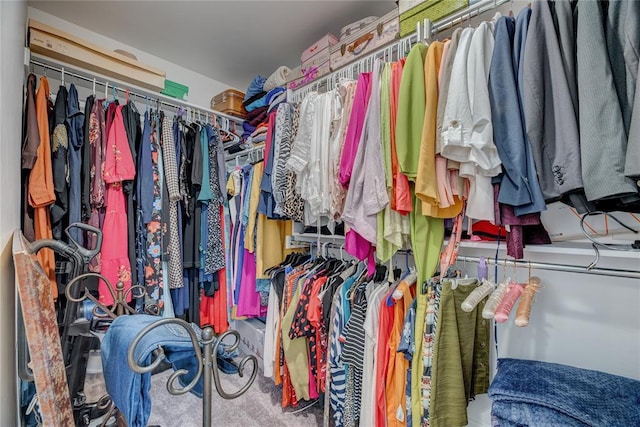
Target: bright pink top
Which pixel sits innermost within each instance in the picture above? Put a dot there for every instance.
(354, 130)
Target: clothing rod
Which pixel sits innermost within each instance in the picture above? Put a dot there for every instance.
(467, 14)
(137, 92)
(242, 153)
(504, 262)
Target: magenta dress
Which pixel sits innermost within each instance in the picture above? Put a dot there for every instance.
(118, 167)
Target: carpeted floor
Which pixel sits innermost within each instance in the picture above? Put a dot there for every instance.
(258, 407)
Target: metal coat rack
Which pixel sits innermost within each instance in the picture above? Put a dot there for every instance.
(206, 353)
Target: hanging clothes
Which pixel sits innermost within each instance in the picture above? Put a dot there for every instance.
(41, 185)
(118, 167)
(75, 124)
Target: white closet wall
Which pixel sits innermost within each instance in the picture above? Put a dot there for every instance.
(588, 321)
(201, 88)
(12, 19)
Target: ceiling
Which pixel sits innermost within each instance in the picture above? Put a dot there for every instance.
(229, 41)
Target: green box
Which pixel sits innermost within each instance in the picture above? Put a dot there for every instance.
(175, 90)
(433, 10)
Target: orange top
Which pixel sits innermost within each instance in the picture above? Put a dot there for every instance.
(396, 381)
(41, 193)
(400, 193)
(382, 361)
(427, 179)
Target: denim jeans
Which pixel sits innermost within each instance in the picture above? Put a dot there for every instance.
(130, 391)
(532, 393)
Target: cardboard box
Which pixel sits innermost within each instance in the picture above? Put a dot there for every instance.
(325, 42)
(374, 36)
(56, 44)
(433, 10)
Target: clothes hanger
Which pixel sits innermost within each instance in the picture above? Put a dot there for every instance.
(508, 301)
(523, 312)
(398, 294)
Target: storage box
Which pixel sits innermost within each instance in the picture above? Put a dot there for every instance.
(56, 44)
(354, 27)
(317, 60)
(229, 102)
(433, 10)
(175, 90)
(324, 43)
(405, 5)
(375, 35)
(305, 76)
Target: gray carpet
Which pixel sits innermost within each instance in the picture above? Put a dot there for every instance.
(259, 406)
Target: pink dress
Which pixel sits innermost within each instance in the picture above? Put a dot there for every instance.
(118, 167)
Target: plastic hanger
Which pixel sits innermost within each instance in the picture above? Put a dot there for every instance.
(523, 312)
(477, 295)
(506, 305)
(489, 310)
(410, 279)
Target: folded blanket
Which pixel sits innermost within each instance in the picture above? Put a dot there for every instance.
(247, 127)
(260, 130)
(259, 119)
(262, 102)
(273, 93)
(527, 393)
(259, 138)
(278, 78)
(255, 113)
(255, 87)
(277, 101)
(254, 98)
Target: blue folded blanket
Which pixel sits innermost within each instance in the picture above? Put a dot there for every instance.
(255, 87)
(533, 393)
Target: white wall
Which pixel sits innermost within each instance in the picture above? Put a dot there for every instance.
(201, 88)
(587, 321)
(12, 19)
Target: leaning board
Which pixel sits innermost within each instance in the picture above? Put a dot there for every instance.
(43, 338)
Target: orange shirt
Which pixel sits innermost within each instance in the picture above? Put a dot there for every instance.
(400, 193)
(382, 361)
(41, 193)
(396, 380)
(427, 179)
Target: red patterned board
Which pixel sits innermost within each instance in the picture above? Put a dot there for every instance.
(39, 316)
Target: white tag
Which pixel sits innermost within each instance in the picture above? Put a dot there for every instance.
(400, 413)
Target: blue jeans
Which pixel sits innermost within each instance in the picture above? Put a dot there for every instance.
(532, 393)
(130, 391)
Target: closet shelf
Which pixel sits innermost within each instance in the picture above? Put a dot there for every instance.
(558, 248)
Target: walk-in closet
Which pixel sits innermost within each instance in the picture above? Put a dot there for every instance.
(412, 213)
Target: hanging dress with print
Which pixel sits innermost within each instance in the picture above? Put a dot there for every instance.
(118, 167)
